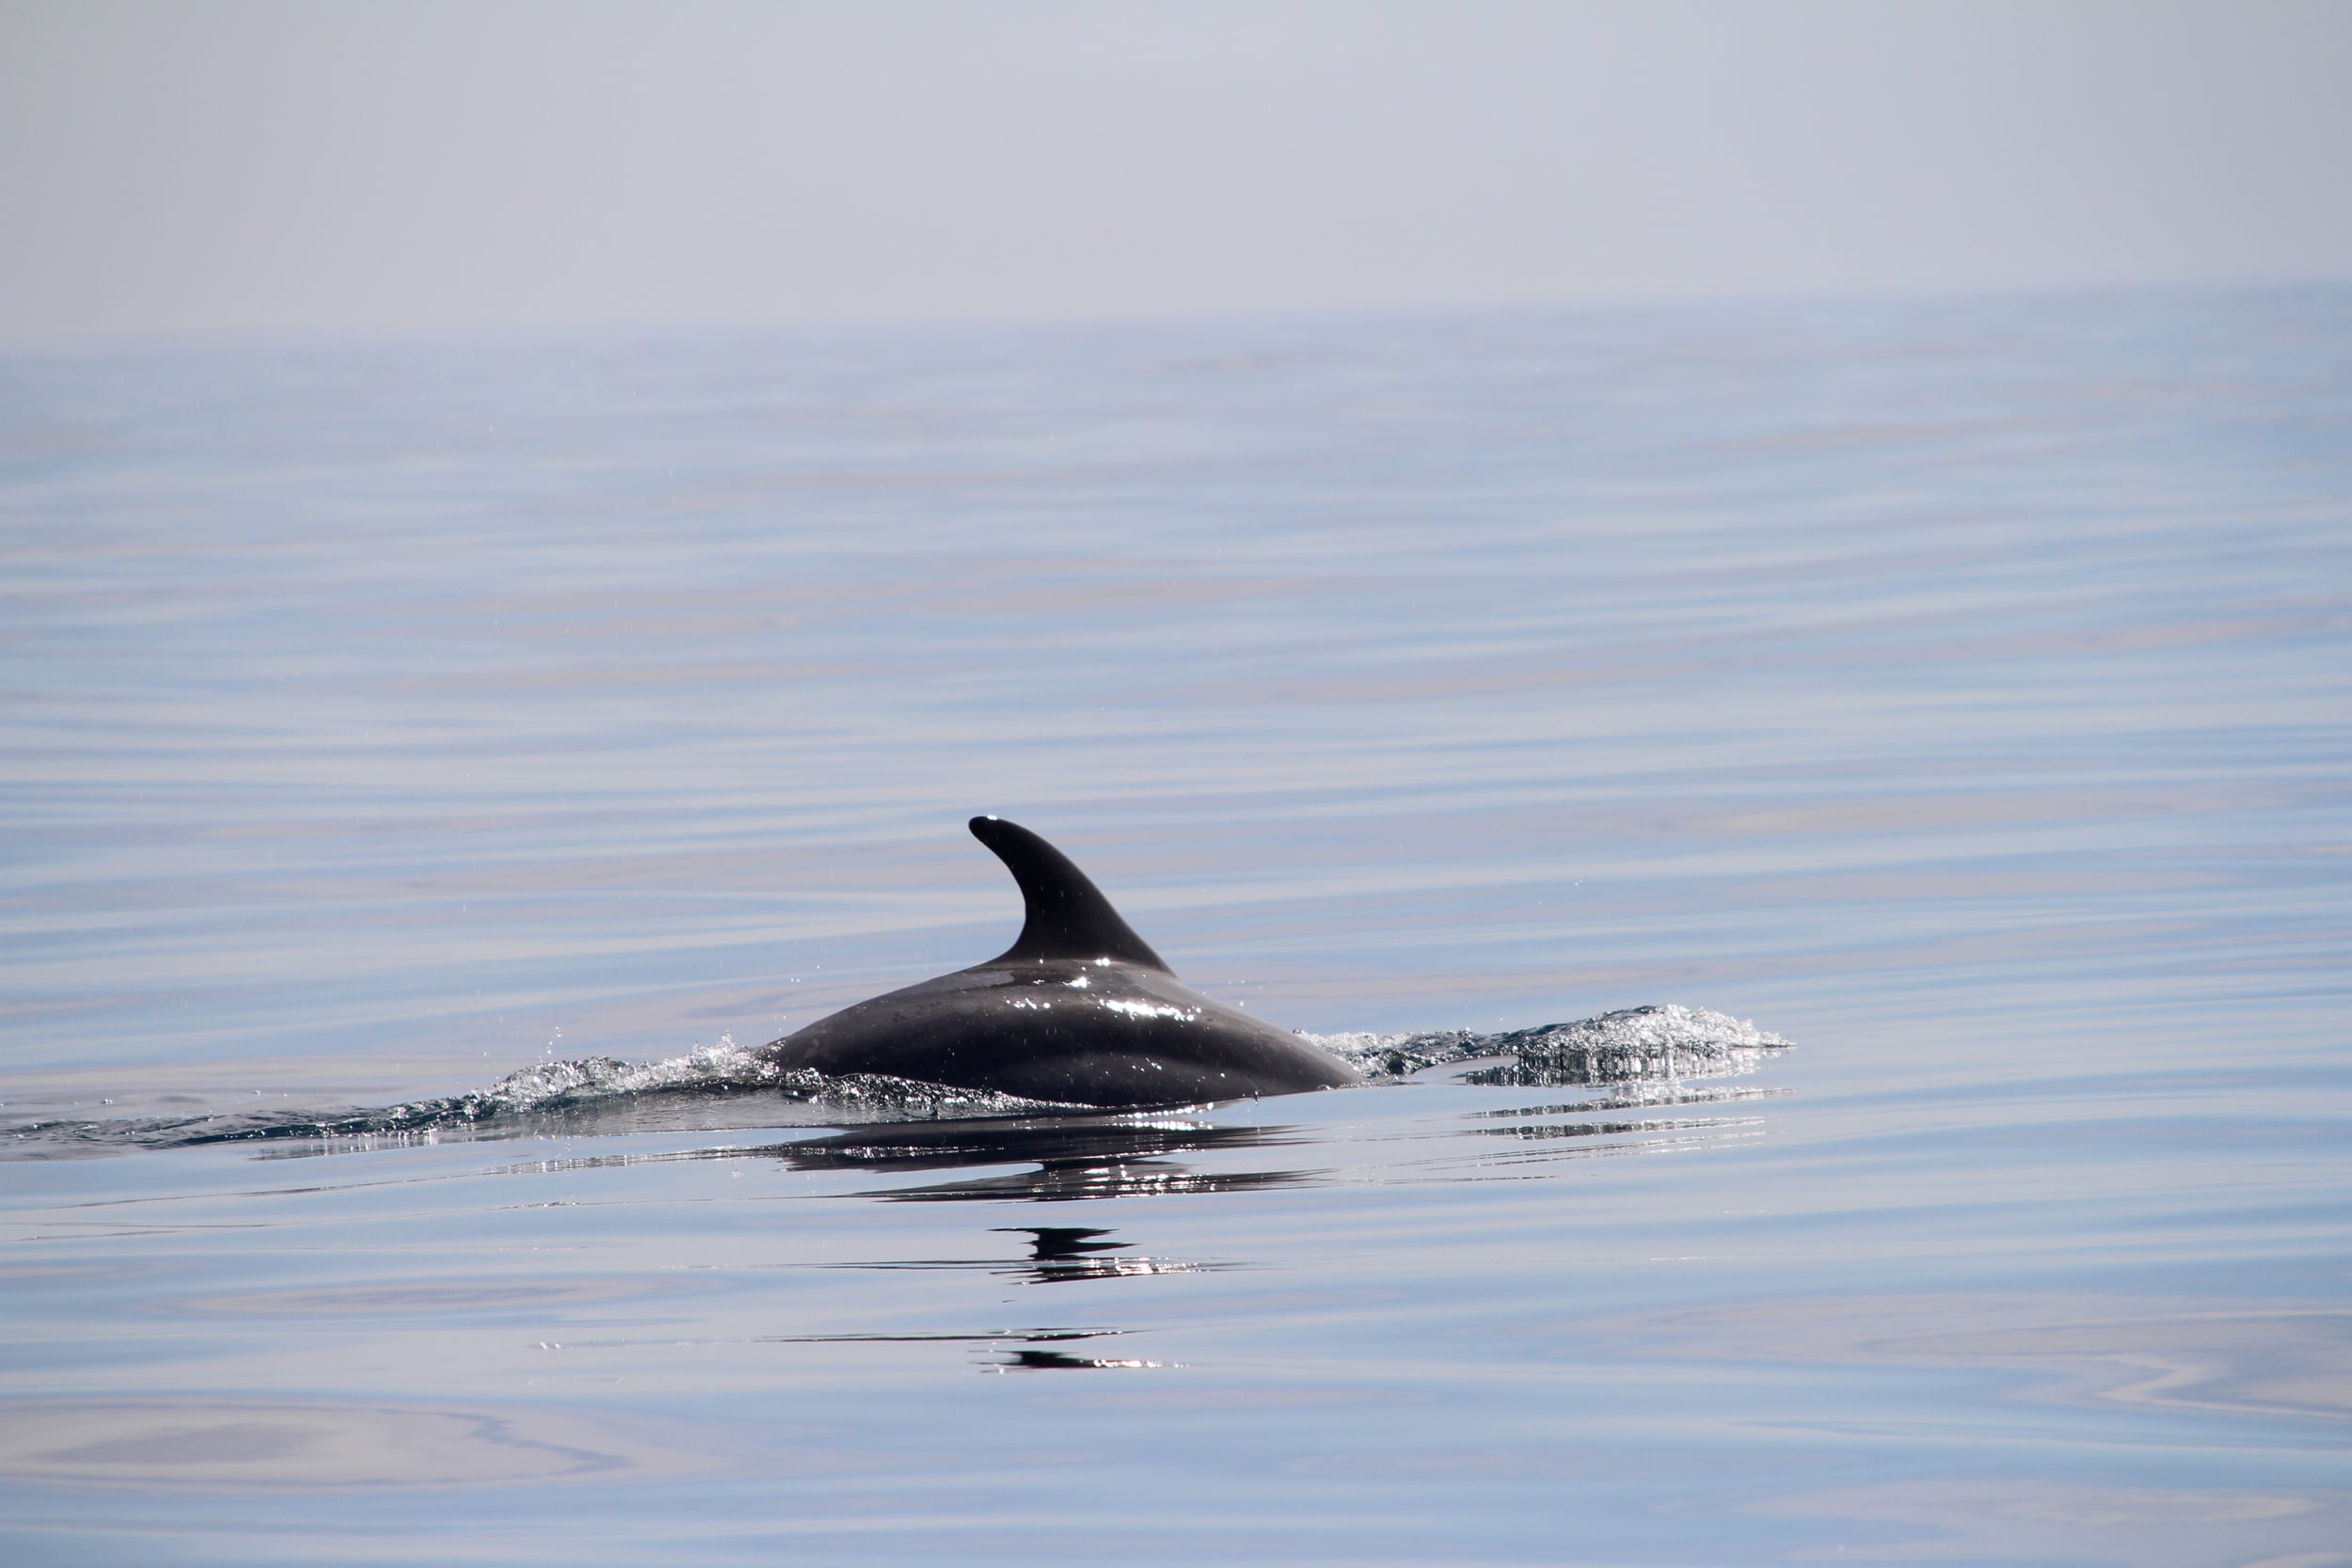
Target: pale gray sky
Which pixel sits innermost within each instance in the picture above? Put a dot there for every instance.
(207, 165)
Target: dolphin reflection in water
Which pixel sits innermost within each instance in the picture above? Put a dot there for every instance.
(1074, 1157)
(1078, 1010)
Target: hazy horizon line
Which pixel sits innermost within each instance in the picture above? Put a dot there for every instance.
(290, 335)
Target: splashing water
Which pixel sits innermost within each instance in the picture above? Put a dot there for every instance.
(1633, 1044)
(1628, 1048)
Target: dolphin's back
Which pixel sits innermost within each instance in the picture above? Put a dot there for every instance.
(1079, 1009)
(1097, 1033)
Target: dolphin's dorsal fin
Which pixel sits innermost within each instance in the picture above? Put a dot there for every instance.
(1068, 915)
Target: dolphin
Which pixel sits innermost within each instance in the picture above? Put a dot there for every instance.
(1079, 1010)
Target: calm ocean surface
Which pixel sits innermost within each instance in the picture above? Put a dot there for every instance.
(1963, 691)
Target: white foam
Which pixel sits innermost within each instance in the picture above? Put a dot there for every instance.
(1663, 1039)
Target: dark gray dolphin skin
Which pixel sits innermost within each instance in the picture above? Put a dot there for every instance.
(1079, 1010)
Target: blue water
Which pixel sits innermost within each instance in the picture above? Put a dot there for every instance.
(1959, 691)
